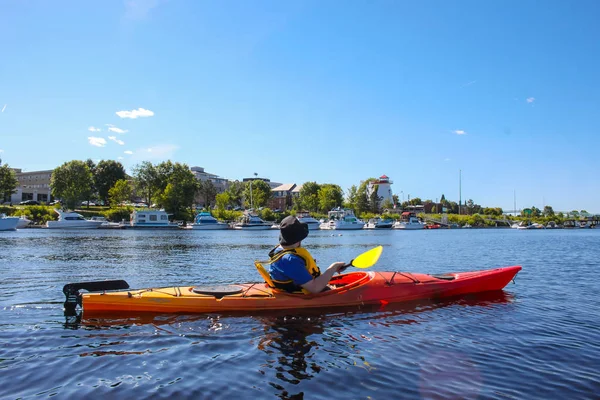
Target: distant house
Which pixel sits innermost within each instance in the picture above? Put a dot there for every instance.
(282, 195)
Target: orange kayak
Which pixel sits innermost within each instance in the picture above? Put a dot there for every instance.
(355, 288)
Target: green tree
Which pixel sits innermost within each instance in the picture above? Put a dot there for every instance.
(352, 197)
(208, 192)
(106, 174)
(259, 195)
(395, 200)
(177, 187)
(548, 211)
(8, 181)
(536, 212)
(223, 200)
(93, 190)
(236, 193)
(146, 179)
(308, 197)
(374, 200)
(330, 196)
(120, 192)
(72, 183)
(387, 204)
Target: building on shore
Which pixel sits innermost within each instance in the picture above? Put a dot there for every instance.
(384, 188)
(33, 185)
(220, 184)
(282, 197)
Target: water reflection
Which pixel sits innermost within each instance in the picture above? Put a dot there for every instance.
(296, 348)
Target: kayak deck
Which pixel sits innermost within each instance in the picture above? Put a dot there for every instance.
(355, 288)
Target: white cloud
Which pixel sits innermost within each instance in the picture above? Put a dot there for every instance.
(447, 159)
(128, 152)
(114, 139)
(97, 141)
(93, 129)
(114, 129)
(120, 158)
(133, 114)
(468, 84)
(1, 151)
(4, 108)
(530, 99)
(459, 132)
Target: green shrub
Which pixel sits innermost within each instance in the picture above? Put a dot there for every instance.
(37, 214)
(118, 214)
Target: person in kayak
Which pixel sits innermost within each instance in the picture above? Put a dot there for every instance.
(291, 266)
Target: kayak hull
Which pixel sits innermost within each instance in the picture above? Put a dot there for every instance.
(355, 288)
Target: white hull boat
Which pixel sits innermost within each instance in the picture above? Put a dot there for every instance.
(342, 219)
(252, 223)
(8, 223)
(206, 222)
(72, 220)
(411, 224)
(150, 219)
(23, 222)
(305, 218)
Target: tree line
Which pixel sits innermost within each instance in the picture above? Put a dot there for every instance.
(174, 187)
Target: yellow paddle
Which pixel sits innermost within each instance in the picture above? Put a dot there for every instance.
(366, 259)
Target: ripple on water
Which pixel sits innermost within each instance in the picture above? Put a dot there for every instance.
(537, 339)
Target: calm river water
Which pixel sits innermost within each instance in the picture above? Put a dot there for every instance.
(539, 338)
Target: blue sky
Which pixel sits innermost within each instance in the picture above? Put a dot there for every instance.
(327, 91)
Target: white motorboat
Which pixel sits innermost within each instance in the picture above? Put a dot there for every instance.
(23, 222)
(8, 223)
(151, 219)
(205, 221)
(304, 217)
(106, 224)
(408, 221)
(378, 223)
(72, 220)
(342, 219)
(252, 222)
(535, 225)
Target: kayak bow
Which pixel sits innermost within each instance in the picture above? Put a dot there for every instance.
(355, 288)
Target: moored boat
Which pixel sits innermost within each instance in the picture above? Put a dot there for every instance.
(8, 223)
(408, 221)
(72, 220)
(252, 222)
(350, 289)
(304, 217)
(151, 219)
(378, 223)
(23, 222)
(205, 221)
(342, 219)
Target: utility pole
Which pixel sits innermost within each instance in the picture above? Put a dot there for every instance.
(459, 190)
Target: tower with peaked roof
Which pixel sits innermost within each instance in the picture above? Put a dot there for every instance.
(384, 188)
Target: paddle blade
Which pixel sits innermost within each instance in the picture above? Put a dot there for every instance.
(368, 258)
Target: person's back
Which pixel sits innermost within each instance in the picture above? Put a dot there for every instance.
(291, 266)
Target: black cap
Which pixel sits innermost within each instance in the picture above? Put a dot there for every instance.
(292, 231)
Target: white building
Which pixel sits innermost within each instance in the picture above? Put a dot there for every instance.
(384, 190)
(34, 185)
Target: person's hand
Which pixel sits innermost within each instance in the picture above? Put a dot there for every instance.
(338, 266)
